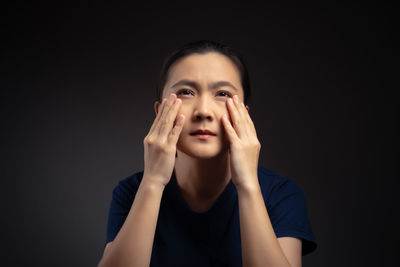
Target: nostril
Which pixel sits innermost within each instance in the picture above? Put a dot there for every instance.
(200, 117)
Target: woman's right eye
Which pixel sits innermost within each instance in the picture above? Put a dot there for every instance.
(184, 92)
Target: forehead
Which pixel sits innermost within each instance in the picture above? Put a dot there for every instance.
(210, 67)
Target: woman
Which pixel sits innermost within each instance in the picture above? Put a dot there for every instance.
(202, 199)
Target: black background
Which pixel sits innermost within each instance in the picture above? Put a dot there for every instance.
(77, 93)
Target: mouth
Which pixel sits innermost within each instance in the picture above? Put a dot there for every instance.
(203, 134)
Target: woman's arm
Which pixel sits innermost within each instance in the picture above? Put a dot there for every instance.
(134, 242)
(260, 247)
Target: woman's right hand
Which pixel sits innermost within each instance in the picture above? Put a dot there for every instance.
(160, 142)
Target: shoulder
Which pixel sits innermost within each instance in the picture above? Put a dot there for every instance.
(274, 185)
(287, 208)
(126, 188)
(121, 202)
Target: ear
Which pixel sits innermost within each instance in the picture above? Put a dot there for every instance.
(156, 105)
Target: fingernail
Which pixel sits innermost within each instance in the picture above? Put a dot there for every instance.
(230, 101)
(236, 98)
(171, 97)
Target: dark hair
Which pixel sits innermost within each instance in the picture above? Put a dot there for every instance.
(204, 47)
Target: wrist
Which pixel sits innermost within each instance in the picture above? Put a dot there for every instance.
(152, 183)
(249, 187)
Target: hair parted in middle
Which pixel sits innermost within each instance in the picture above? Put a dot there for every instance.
(204, 47)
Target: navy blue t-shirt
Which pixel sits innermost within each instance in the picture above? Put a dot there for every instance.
(184, 237)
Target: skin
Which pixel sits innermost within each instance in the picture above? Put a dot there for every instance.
(203, 167)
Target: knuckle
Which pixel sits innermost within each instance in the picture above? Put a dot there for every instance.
(164, 149)
(148, 140)
(174, 131)
(169, 104)
(167, 120)
(163, 124)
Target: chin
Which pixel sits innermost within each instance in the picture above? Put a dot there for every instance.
(202, 151)
(200, 154)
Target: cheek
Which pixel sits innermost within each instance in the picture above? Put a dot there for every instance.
(184, 110)
(220, 109)
(223, 110)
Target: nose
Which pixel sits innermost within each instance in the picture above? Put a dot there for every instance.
(202, 109)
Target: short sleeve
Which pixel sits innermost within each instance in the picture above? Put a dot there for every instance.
(121, 202)
(287, 209)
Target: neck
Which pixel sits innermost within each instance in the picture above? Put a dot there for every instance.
(201, 181)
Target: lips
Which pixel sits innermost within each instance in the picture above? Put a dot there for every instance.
(202, 132)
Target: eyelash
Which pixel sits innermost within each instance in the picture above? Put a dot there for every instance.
(183, 90)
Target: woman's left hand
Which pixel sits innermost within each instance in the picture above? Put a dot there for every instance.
(244, 145)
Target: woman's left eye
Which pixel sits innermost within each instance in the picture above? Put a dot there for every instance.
(225, 94)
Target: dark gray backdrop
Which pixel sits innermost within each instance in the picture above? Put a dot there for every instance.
(78, 86)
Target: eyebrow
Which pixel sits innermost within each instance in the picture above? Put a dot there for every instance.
(196, 85)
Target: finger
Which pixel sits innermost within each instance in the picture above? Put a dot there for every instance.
(167, 123)
(235, 116)
(230, 131)
(166, 107)
(157, 119)
(248, 118)
(240, 110)
(247, 128)
(168, 104)
(176, 131)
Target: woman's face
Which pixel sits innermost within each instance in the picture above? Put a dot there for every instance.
(203, 82)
